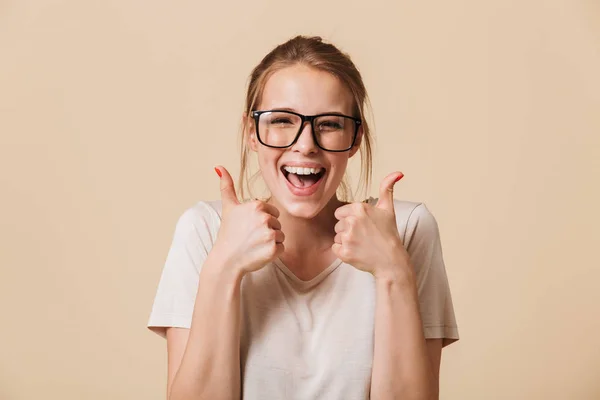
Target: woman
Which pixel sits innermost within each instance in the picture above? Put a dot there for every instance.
(303, 295)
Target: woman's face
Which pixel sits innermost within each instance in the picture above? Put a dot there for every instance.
(307, 91)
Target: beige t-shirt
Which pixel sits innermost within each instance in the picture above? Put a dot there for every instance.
(305, 339)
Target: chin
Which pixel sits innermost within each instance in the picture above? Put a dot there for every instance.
(305, 210)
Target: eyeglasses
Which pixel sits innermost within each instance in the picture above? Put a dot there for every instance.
(280, 129)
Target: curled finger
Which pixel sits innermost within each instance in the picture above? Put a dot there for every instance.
(340, 226)
(338, 238)
(279, 236)
(274, 223)
(271, 209)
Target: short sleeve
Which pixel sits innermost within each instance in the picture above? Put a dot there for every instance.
(194, 235)
(422, 241)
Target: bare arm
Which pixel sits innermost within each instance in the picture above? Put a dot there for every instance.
(176, 341)
(434, 349)
(404, 364)
(204, 362)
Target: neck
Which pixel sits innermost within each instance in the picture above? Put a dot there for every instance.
(302, 234)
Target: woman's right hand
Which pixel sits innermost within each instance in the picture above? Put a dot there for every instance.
(250, 235)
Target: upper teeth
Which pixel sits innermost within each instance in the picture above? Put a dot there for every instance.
(301, 170)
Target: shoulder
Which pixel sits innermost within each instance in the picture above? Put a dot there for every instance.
(202, 215)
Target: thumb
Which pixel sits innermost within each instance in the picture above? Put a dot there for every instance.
(228, 196)
(386, 191)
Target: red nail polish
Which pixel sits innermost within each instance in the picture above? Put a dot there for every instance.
(398, 178)
(218, 172)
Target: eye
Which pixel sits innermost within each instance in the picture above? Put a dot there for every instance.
(280, 121)
(330, 125)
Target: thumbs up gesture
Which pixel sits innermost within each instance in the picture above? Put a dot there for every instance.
(250, 234)
(367, 236)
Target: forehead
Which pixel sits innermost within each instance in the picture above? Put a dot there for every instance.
(306, 90)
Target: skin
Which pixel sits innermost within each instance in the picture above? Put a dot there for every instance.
(203, 362)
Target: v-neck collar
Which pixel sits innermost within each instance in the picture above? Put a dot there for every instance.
(310, 283)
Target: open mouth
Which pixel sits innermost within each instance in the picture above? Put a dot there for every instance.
(302, 177)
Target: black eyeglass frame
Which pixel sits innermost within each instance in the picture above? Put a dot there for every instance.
(310, 118)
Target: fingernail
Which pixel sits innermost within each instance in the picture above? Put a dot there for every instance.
(218, 172)
(400, 177)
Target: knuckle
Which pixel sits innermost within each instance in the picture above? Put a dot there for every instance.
(346, 253)
(362, 209)
(349, 234)
(350, 222)
(273, 250)
(270, 236)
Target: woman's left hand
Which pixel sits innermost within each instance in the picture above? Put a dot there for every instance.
(367, 236)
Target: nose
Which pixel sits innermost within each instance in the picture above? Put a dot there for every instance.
(305, 143)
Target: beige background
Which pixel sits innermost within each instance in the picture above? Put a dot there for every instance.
(112, 114)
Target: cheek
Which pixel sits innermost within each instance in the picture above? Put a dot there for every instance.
(267, 160)
(338, 167)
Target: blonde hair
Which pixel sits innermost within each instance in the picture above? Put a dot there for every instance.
(312, 52)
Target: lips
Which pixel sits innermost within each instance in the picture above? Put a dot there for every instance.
(299, 183)
(303, 180)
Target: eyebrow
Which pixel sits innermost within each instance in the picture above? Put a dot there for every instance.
(296, 111)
